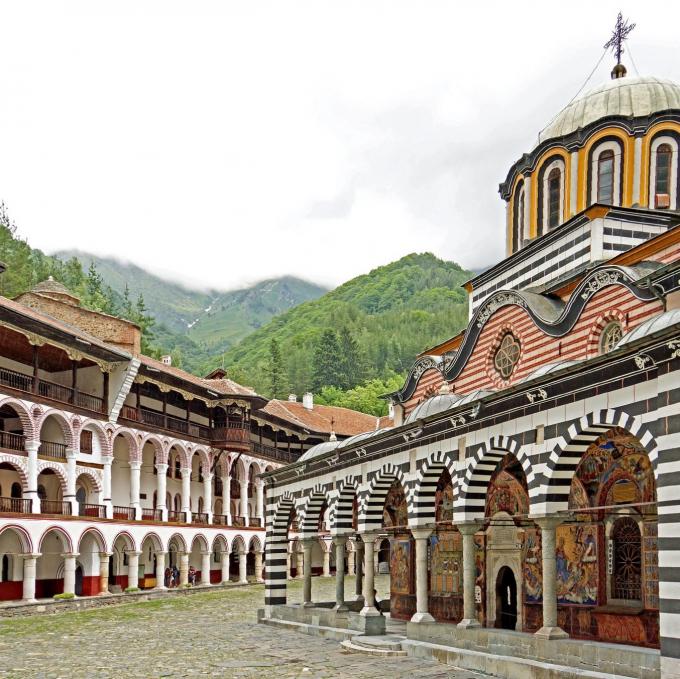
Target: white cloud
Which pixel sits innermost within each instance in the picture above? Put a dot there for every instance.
(221, 143)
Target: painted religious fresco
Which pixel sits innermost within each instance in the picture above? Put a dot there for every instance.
(507, 489)
(577, 564)
(395, 512)
(444, 499)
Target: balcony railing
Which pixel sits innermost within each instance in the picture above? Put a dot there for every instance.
(199, 517)
(55, 507)
(11, 441)
(151, 514)
(220, 519)
(123, 513)
(15, 505)
(255, 521)
(95, 511)
(51, 390)
(156, 419)
(285, 456)
(52, 449)
(232, 433)
(175, 517)
(238, 521)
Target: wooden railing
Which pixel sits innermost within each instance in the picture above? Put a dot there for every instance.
(15, 380)
(96, 511)
(199, 517)
(151, 514)
(156, 419)
(232, 432)
(11, 441)
(278, 454)
(220, 519)
(123, 513)
(55, 507)
(175, 517)
(255, 521)
(14, 505)
(89, 402)
(52, 449)
(238, 521)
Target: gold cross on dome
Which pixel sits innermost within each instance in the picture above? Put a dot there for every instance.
(620, 33)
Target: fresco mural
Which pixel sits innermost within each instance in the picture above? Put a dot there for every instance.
(507, 489)
(395, 512)
(577, 567)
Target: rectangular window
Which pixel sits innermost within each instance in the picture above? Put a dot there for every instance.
(605, 180)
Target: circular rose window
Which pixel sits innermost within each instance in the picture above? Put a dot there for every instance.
(506, 356)
(610, 337)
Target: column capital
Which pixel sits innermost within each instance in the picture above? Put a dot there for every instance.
(161, 467)
(206, 552)
(32, 446)
(34, 555)
(135, 464)
(70, 555)
(421, 533)
(546, 522)
(105, 555)
(368, 536)
(133, 552)
(468, 527)
(71, 454)
(158, 552)
(339, 540)
(308, 541)
(107, 459)
(185, 471)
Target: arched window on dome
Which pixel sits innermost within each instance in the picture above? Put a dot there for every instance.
(663, 181)
(554, 197)
(518, 218)
(605, 172)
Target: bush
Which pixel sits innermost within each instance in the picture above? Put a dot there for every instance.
(64, 596)
(128, 590)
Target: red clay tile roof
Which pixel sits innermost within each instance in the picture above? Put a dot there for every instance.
(323, 419)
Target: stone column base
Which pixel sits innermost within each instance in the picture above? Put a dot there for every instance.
(551, 633)
(422, 617)
(308, 604)
(369, 612)
(341, 608)
(468, 623)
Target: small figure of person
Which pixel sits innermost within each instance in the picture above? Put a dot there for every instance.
(376, 601)
(192, 576)
(175, 576)
(167, 576)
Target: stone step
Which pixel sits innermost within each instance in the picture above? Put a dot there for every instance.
(386, 645)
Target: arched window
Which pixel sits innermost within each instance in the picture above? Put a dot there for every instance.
(627, 560)
(518, 219)
(605, 177)
(5, 567)
(554, 197)
(178, 467)
(662, 178)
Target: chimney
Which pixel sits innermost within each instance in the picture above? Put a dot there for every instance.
(390, 411)
(292, 398)
(166, 360)
(308, 400)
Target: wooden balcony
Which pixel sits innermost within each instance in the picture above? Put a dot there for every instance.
(278, 454)
(50, 390)
(13, 505)
(255, 522)
(220, 520)
(52, 449)
(122, 513)
(10, 441)
(175, 517)
(238, 521)
(158, 420)
(233, 435)
(91, 510)
(55, 507)
(151, 514)
(199, 517)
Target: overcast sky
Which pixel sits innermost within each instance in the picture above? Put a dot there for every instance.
(222, 143)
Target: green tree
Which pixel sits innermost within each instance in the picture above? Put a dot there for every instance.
(145, 321)
(275, 370)
(327, 361)
(351, 360)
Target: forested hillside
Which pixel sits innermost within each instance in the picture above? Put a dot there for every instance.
(365, 332)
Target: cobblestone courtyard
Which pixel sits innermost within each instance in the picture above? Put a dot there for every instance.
(211, 634)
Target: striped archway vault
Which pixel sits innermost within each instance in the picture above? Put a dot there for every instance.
(425, 490)
(312, 511)
(565, 458)
(341, 509)
(276, 549)
(471, 500)
(373, 501)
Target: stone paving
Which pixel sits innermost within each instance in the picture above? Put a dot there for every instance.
(211, 634)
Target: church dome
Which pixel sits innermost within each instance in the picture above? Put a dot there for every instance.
(625, 97)
(433, 405)
(319, 449)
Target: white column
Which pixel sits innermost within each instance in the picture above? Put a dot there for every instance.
(307, 584)
(133, 569)
(160, 570)
(369, 608)
(421, 535)
(326, 572)
(135, 475)
(242, 567)
(550, 629)
(289, 565)
(30, 561)
(207, 495)
(359, 565)
(226, 498)
(244, 501)
(299, 565)
(183, 568)
(339, 543)
(186, 494)
(468, 531)
(104, 573)
(70, 573)
(258, 567)
(161, 489)
(259, 498)
(225, 566)
(205, 567)
(106, 486)
(31, 492)
(350, 563)
(70, 494)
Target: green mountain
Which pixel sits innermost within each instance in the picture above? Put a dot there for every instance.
(192, 324)
(378, 323)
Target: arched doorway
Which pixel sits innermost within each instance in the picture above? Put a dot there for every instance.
(79, 580)
(506, 599)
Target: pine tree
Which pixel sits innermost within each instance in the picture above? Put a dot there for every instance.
(275, 370)
(145, 321)
(351, 361)
(127, 303)
(327, 361)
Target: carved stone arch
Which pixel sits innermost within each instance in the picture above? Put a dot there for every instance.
(425, 488)
(255, 545)
(105, 442)
(24, 414)
(129, 540)
(19, 466)
(341, 506)
(372, 504)
(202, 542)
(93, 475)
(179, 539)
(58, 470)
(132, 441)
(161, 450)
(23, 536)
(311, 514)
(238, 545)
(221, 541)
(471, 500)
(97, 535)
(553, 495)
(155, 541)
(66, 538)
(276, 548)
(62, 420)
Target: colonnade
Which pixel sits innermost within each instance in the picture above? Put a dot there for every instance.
(365, 570)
